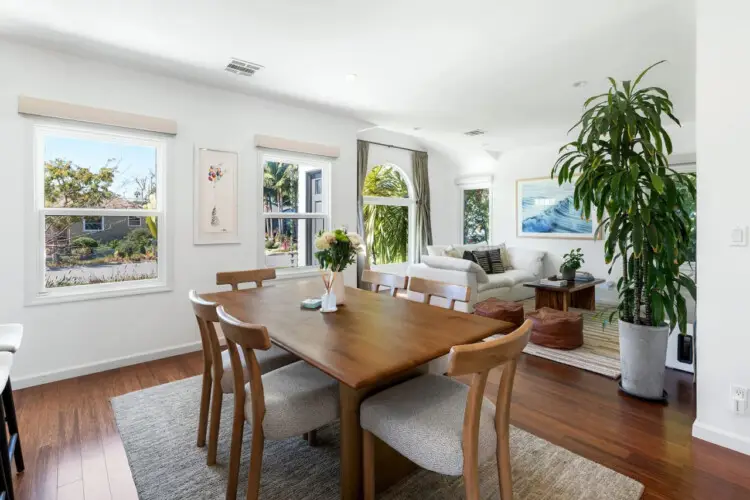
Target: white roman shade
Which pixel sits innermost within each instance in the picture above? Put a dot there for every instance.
(66, 111)
(310, 148)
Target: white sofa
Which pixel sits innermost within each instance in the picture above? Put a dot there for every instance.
(528, 265)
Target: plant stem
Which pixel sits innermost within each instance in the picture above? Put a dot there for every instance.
(638, 280)
(648, 317)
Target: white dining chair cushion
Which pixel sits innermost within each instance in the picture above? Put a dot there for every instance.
(299, 398)
(423, 419)
(6, 362)
(269, 360)
(10, 337)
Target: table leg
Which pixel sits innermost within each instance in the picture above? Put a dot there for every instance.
(566, 301)
(351, 443)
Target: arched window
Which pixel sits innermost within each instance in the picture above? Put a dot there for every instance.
(388, 211)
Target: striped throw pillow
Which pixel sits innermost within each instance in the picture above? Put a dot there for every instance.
(482, 257)
(496, 260)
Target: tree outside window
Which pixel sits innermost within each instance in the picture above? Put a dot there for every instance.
(476, 221)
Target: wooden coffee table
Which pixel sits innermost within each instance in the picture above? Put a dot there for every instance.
(579, 294)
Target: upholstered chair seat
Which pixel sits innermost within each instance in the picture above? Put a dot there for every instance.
(423, 419)
(269, 360)
(10, 337)
(298, 398)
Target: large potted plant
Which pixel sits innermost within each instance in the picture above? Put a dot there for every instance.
(620, 168)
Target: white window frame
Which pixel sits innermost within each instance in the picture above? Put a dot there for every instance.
(324, 164)
(409, 202)
(140, 221)
(86, 230)
(471, 184)
(36, 292)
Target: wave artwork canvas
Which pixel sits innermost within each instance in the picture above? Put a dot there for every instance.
(545, 209)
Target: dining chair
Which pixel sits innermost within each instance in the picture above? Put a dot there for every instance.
(393, 281)
(429, 289)
(10, 442)
(292, 400)
(445, 426)
(235, 278)
(217, 372)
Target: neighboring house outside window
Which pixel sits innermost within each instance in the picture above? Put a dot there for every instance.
(92, 185)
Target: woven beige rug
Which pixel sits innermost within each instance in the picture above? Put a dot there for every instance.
(158, 428)
(600, 352)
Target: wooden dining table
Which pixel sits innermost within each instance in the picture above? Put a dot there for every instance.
(372, 342)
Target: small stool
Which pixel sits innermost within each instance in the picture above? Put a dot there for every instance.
(556, 329)
(512, 312)
(11, 336)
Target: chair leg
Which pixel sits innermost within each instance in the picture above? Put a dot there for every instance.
(217, 397)
(503, 465)
(235, 453)
(5, 456)
(312, 437)
(256, 464)
(205, 400)
(471, 483)
(368, 465)
(10, 412)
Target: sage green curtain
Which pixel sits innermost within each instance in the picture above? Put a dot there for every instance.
(363, 149)
(423, 222)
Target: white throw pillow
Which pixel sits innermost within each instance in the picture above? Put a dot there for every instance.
(451, 264)
(527, 259)
(451, 251)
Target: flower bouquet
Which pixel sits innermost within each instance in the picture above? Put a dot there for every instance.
(336, 250)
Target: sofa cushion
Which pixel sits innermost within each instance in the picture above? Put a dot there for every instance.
(495, 281)
(519, 276)
(452, 264)
(496, 260)
(482, 257)
(527, 259)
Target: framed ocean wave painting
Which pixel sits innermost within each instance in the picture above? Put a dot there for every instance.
(544, 209)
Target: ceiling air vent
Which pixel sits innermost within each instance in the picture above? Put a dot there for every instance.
(244, 68)
(474, 133)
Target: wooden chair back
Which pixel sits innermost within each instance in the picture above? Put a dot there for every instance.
(235, 278)
(429, 289)
(247, 337)
(393, 281)
(206, 315)
(478, 359)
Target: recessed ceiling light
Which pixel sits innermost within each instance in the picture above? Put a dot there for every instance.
(351, 77)
(580, 83)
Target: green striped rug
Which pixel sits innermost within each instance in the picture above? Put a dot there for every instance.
(600, 352)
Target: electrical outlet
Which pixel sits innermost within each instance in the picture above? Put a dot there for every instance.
(739, 399)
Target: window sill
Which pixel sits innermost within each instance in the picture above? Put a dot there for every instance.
(96, 292)
(290, 274)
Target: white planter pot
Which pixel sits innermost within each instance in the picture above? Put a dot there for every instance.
(643, 354)
(339, 289)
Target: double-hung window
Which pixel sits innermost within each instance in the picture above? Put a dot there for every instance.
(89, 202)
(295, 205)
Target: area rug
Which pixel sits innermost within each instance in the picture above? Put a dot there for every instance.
(158, 428)
(600, 352)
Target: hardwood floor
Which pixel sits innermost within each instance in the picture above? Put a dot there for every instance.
(73, 451)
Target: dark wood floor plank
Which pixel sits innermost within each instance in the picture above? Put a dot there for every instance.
(580, 411)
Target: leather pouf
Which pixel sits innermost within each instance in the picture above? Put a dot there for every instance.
(556, 329)
(512, 312)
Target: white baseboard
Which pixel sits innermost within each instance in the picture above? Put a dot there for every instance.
(720, 437)
(100, 366)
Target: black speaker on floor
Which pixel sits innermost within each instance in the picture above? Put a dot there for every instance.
(685, 349)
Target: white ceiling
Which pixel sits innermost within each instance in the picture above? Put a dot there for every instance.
(506, 66)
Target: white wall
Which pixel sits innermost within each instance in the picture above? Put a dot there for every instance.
(723, 107)
(73, 338)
